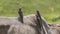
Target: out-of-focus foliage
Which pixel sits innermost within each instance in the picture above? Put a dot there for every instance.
(49, 9)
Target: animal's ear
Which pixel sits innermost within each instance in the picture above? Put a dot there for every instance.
(20, 15)
(39, 20)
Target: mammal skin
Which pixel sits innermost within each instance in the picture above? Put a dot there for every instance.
(29, 26)
(23, 29)
(32, 25)
(4, 29)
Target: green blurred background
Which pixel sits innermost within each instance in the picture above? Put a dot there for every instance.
(49, 9)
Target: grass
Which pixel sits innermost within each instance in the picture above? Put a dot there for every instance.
(49, 9)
